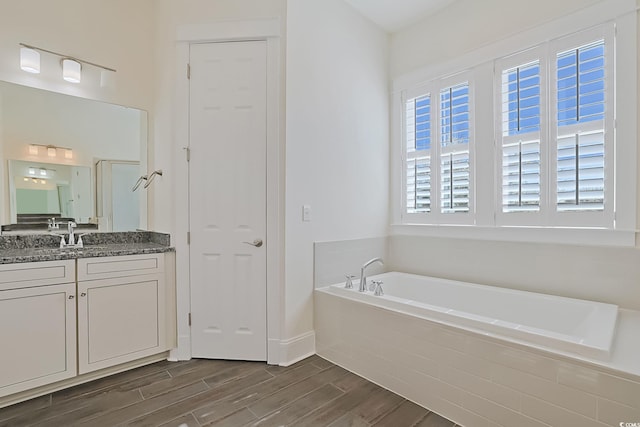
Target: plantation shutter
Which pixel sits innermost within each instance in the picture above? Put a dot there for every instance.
(454, 149)
(520, 125)
(580, 163)
(418, 152)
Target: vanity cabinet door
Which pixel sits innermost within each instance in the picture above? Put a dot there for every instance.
(38, 336)
(119, 320)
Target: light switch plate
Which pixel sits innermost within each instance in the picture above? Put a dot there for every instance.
(306, 213)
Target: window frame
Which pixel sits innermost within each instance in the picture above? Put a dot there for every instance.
(606, 217)
(436, 215)
(502, 218)
(487, 225)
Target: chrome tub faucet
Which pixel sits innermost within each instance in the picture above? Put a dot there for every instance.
(363, 278)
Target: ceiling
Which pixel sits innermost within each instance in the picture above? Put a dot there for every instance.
(394, 15)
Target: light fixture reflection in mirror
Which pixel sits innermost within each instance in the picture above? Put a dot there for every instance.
(53, 190)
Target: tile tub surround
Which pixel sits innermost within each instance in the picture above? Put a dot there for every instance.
(476, 380)
(45, 247)
(333, 260)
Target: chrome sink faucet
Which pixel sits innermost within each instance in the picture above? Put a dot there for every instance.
(363, 278)
(72, 238)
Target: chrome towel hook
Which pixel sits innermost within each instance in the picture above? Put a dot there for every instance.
(152, 177)
(138, 182)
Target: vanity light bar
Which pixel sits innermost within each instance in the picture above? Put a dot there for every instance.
(71, 66)
(52, 150)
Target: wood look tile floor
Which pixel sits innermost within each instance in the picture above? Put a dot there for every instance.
(313, 392)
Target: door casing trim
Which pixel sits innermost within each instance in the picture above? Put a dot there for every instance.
(268, 30)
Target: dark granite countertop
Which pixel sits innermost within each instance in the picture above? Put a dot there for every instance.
(45, 247)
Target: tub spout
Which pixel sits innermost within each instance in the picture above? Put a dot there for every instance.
(363, 278)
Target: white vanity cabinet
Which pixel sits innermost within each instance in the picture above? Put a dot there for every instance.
(37, 324)
(122, 310)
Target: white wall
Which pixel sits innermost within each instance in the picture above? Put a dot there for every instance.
(467, 25)
(93, 130)
(589, 272)
(337, 139)
(114, 33)
(336, 135)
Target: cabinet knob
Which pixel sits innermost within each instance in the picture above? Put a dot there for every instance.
(72, 296)
(83, 294)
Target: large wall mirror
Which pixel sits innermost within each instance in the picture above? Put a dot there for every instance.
(70, 158)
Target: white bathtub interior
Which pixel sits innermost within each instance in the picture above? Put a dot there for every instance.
(565, 325)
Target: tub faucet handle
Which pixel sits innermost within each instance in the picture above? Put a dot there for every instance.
(349, 283)
(377, 288)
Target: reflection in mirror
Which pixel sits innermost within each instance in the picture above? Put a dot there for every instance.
(49, 190)
(88, 135)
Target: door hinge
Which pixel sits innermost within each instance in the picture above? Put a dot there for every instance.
(188, 237)
(188, 151)
(189, 71)
(189, 319)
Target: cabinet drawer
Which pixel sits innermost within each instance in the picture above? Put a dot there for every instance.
(30, 274)
(119, 266)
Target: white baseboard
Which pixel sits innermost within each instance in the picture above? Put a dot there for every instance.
(297, 348)
(183, 351)
(280, 352)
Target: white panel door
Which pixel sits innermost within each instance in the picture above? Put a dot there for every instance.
(227, 174)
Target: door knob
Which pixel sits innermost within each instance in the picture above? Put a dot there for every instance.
(257, 243)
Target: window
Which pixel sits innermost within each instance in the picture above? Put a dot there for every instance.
(580, 162)
(418, 128)
(553, 149)
(547, 157)
(438, 174)
(454, 148)
(581, 130)
(521, 138)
